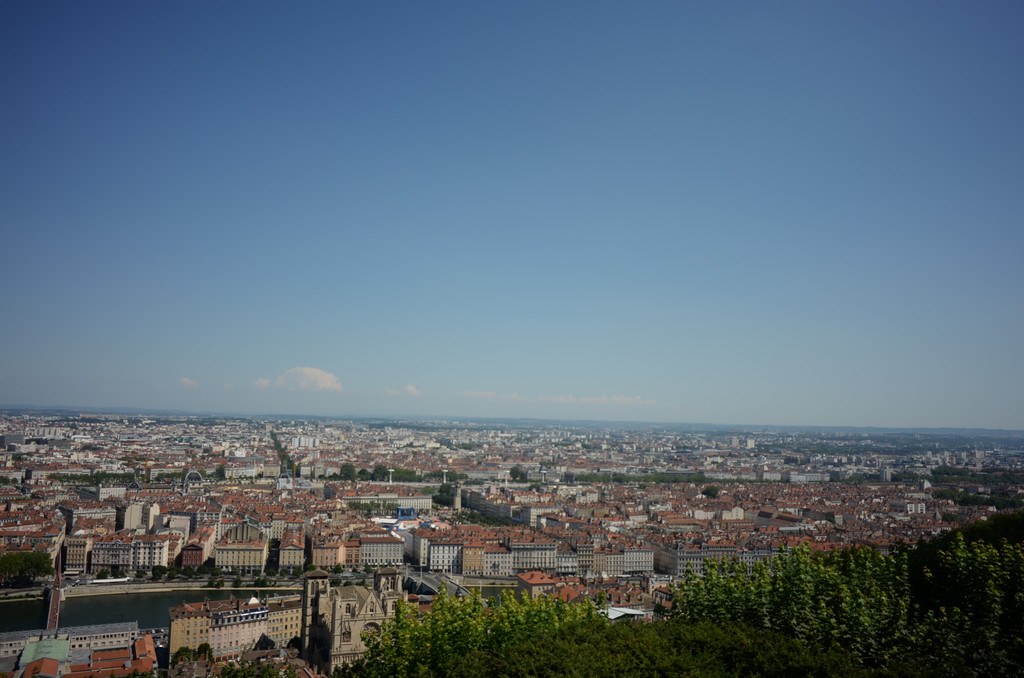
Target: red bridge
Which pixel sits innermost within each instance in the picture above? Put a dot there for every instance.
(53, 613)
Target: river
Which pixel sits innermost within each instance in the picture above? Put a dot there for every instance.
(149, 609)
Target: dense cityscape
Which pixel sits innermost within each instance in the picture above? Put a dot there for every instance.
(516, 339)
(582, 511)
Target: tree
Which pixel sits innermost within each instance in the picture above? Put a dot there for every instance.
(25, 566)
(516, 474)
(184, 653)
(159, 571)
(404, 475)
(459, 629)
(711, 491)
(257, 670)
(380, 472)
(949, 603)
(347, 472)
(445, 495)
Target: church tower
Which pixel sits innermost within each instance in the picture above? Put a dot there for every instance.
(315, 616)
(388, 582)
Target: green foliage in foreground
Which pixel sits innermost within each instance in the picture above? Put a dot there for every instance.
(951, 607)
(457, 628)
(249, 670)
(953, 611)
(545, 637)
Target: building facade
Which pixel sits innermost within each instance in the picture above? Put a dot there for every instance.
(334, 620)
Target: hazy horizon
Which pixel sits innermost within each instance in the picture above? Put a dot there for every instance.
(453, 419)
(665, 212)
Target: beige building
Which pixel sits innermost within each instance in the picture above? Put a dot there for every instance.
(473, 559)
(284, 622)
(243, 549)
(79, 550)
(190, 626)
(292, 554)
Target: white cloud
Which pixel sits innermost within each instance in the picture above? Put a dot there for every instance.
(262, 384)
(308, 379)
(188, 383)
(229, 387)
(408, 389)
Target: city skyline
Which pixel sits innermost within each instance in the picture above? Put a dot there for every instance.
(802, 215)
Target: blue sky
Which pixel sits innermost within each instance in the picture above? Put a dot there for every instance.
(753, 213)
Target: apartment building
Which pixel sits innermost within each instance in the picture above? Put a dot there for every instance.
(292, 553)
(230, 627)
(380, 551)
(284, 619)
(242, 549)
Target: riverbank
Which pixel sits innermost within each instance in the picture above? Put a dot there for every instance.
(164, 587)
(15, 596)
(490, 582)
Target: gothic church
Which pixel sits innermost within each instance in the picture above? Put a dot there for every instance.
(333, 620)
